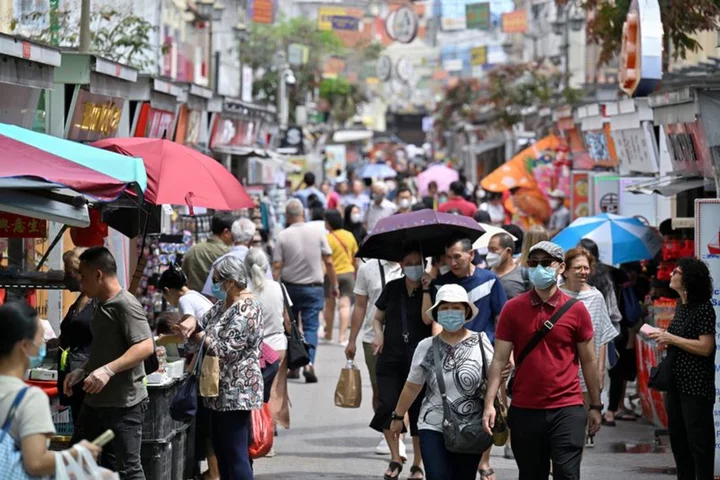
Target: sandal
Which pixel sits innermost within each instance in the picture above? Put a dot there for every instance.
(415, 470)
(486, 473)
(608, 423)
(625, 417)
(393, 466)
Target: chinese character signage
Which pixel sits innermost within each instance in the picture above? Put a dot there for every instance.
(334, 18)
(95, 117)
(515, 22)
(154, 123)
(262, 11)
(20, 226)
(478, 16)
(478, 56)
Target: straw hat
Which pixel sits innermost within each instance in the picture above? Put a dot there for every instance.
(452, 293)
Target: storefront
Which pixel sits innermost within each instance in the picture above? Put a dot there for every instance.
(153, 107)
(192, 120)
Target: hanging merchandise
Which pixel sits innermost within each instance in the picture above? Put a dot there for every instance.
(92, 236)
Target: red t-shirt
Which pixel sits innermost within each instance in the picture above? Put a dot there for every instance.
(548, 377)
(468, 209)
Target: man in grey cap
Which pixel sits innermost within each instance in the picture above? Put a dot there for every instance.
(549, 332)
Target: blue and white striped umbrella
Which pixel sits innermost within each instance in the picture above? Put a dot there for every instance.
(619, 239)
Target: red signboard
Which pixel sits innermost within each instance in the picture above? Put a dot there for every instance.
(262, 11)
(232, 132)
(19, 226)
(26, 50)
(688, 149)
(154, 123)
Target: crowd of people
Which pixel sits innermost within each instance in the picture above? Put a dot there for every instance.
(521, 333)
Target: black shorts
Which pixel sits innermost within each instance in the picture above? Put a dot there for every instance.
(390, 383)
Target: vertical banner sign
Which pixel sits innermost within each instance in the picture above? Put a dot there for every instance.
(478, 56)
(707, 249)
(580, 195)
(54, 23)
(477, 16)
(515, 22)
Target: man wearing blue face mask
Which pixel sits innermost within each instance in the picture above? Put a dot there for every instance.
(548, 333)
(399, 326)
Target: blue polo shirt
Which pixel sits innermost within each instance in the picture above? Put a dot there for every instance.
(485, 291)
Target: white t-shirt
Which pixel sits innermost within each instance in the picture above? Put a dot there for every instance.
(369, 284)
(32, 416)
(272, 306)
(195, 304)
(463, 375)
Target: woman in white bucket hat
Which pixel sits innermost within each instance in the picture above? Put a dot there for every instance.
(461, 353)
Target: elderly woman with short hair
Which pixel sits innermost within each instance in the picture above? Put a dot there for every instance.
(233, 331)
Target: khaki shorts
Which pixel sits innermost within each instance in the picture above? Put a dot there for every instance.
(346, 284)
(370, 361)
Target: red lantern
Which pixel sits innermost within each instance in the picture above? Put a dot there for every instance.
(92, 236)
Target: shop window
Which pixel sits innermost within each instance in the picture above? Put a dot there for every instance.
(33, 13)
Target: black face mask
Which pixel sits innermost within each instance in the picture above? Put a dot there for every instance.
(71, 283)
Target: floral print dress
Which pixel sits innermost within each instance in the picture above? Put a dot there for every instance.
(235, 338)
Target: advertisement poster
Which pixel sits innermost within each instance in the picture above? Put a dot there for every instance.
(580, 195)
(336, 159)
(707, 248)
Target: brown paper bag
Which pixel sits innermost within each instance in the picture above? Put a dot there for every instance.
(210, 377)
(348, 392)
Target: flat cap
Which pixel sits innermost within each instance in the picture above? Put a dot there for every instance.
(552, 249)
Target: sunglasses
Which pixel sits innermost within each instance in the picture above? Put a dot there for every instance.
(545, 262)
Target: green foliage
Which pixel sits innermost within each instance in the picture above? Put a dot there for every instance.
(681, 19)
(342, 97)
(124, 38)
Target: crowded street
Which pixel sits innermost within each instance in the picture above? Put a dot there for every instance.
(359, 239)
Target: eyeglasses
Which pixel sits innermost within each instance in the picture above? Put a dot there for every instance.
(581, 268)
(545, 262)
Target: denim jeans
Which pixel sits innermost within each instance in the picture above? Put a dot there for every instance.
(308, 301)
(443, 465)
(230, 438)
(123, 453)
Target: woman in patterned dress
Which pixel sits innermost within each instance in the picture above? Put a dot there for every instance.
(233, 331)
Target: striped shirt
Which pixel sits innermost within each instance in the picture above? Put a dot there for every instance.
(604, 331)
(485, 291)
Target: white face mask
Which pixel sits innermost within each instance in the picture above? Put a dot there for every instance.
(493, 259)
(404, 203)
(355, 218)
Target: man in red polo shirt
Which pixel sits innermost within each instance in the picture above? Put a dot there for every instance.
(547, 418)
(457, 201)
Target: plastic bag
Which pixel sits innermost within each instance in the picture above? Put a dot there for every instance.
(263, 432)
(83, 468)
(348, 392)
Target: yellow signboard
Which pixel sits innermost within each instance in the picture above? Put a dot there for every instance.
(478, 56)
(337, 18)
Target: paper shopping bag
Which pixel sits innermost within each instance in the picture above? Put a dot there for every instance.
(348, 392)
(210, 377)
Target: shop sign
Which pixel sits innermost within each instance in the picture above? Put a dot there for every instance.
(642, 49)
(293, 139)
(478, 56)
(477, 16)
(580, 194)
(384, 68)
(515, 22)
(232, 132)
(336, 159)
(637, 205)
(606, 194)
(298, 54)
(337, 18)
(707, 248)
(192, 137)
(262, 11)
(402, 24)
(636, 149)
(688, 150)
(95, 117)
(20, 226)
(600, 147)
(154, 123)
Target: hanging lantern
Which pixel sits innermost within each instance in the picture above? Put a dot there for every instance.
(92, 236)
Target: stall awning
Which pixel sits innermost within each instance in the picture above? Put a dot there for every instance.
(666, 186)
(34, 203)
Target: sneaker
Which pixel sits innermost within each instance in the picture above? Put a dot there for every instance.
(382, 448)
(508, 453)
(403, 452)
(590, 441)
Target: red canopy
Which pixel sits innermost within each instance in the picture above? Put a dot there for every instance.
(179, 175)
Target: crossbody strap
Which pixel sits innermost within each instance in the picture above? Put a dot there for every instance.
(287, 304)
(382, 274)
(544, 330)
(438, 368)
(403, 317)
(347, 252)
(13, 409)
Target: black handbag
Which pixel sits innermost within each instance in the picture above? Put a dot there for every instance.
(184, 404)
(537, 338)
(462, 433)
(298, 351)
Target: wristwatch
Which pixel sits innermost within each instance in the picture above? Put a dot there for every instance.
(397, 417)
(599, 408)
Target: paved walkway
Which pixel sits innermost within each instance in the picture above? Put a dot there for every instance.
(326, 442)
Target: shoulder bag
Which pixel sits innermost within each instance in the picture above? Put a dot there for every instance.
(661, 375)
(537, 338)
(184, 404)
(500, 429)
(11, 464)
(462, 433)
(298, 351)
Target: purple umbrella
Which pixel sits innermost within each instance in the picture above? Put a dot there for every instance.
(428, 230)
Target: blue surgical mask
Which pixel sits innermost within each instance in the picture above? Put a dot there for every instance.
(413, 272)
(218, 292)
(543, 277)
(451, 320)
(37, 360)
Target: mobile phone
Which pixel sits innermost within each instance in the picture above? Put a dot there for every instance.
(104, 439)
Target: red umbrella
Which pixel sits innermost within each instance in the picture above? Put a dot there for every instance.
(178, 175)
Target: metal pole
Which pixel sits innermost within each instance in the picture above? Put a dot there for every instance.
(85, 26)
(567, 48)
(282, 91)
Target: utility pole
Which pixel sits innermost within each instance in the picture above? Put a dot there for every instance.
(283, 107)
(85, 26)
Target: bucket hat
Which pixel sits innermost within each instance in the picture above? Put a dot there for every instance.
(452, 293)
